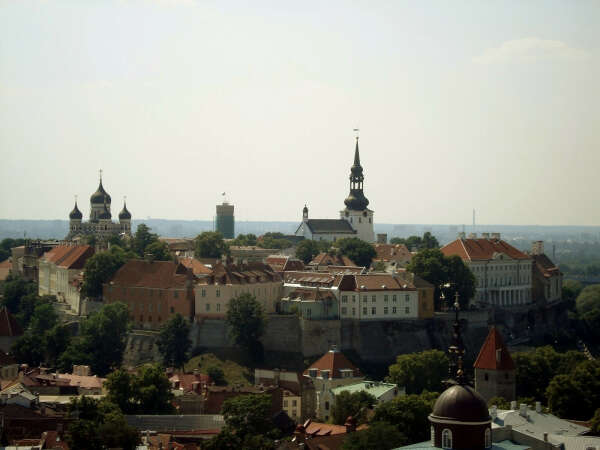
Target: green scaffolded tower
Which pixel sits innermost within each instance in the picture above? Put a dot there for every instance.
(225, 223)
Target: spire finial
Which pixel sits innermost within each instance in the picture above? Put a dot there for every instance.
(75, 199)
(100, 175)
(125, 200)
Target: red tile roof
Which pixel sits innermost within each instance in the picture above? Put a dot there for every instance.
(197, 267)
(325, 259)
(155, 274)
(392, 252)
(311, 294)
(334, 361)
(9, 326)
(186, 381)
(280, 263)
(481, 249)
(493, 354)
(253, 272)
(69, 256)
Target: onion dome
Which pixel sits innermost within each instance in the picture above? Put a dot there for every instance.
(461, 403)
(356, 200)
(100, 196)
(124, 214)
(105, 214)
(75, 214)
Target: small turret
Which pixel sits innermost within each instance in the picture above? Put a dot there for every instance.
(124, 214)
(75, 214)
(305, 213)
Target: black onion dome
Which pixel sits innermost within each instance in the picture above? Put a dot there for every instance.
(100, 196)
(305, 210)
(124, 214)
(105, 214)
(461, 403)
(75, 214)
(356, 200)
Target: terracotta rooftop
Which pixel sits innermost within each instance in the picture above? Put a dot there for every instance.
(325, 259)
(9, 327)
(308, 278)
(253, 272)
(311, 294)
(69, 256)
(334, 361)
(317, 226)
(391, 252)
(493, 354)
(375, 282)
(481, 249)
(155, 274)
(186, 381)
(280, 263)
(197, 267)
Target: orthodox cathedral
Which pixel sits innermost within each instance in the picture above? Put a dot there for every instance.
(356, 220)
(100, 223)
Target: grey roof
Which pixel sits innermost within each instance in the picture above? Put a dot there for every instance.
(317, 226)
(189, 422)
(502, 445)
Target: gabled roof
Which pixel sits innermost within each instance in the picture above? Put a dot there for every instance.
(545, 266)
(197, 267)
(334, 361)
(392, 252)
(481, 249)
(281, 263)
(493, 354)
(253, 272)
(69, 256)
(317, 226)
(151, 274)
(9, 326)
(375, 282)
(326, 259)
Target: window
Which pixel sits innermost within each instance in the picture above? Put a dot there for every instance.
(354, 299)
(365, 299)
(141, 318)
(365, 311)
(150, 307)
(158, 307)
(326, 406)
(394, 310)
(385, 310)
(203, 292)
(175, 294)
(218, 292)
(373, 310)
(353, 311)
(447, 438)
(208, 306)
(344, 310)
(294, 403)
(218, 307)
(407, 297)
(172, 310)
(344, 299)
(385, 298)
(394, 298)
(488, 438)
(285, 403)
(373, 298)
(407, 310)
(486, 377)
(432, 431)
(308, 312)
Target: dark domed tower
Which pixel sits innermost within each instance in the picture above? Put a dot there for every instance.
(356, 211)
(75, 218)
(125, 219)
(99, 201)
(460, 419)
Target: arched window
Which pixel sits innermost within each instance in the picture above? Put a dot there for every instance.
(432, 437)
(488, 438)
(447, 438)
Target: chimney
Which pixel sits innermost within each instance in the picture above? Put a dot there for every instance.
(545, 437)
(472, 235)
(196, 386)
(513, 405)
(496, 236)
(485, 235)
(196, 372)
(537, 248)
(538, 407)
(523, 410)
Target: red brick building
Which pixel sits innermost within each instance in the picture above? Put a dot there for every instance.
(154, 291)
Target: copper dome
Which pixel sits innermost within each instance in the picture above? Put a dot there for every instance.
(461, 403)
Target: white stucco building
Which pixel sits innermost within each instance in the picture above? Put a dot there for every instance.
(356, 220)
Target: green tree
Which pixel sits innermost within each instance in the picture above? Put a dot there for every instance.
(153, 391)
(210, 244)
(244, 240)
(428, 241)
(6, 246)
(99, 269)
(15, 288)
(101, 341)
(121, 391)
(159, 251)
(29, 349)
(217, 375)
(248, 415)
(595, 423)
(99, 425)
(274, 240)
(576, 395)
(307, 250)
(56, 342)
(379, 435)
(359, 251)
(570, 291)
(142, 239)
(409, 413)
(433, 266)
(500, 402)
(44, 318)
(351, 404)
(587, 307)
(246, 320)
(418, 372)
(174, 342)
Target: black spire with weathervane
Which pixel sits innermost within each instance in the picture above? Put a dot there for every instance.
(356, 200)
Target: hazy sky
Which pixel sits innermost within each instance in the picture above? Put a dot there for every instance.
(492, 105)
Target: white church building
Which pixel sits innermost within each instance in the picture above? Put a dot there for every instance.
(356, 220)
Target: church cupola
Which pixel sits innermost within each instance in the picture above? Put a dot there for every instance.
(75, 214)
(100, 197)
(105, 214)
(356, 200)
(305, 213)
(124, 214)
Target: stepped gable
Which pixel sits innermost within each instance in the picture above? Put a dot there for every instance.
(493, 354)
(69, 256)
(9, 327)
(481, 249)
(334, 361)
(152, 274)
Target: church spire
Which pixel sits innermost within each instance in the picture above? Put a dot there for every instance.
(356, 200)
(356, 154)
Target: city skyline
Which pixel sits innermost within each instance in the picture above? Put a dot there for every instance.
(461, 107)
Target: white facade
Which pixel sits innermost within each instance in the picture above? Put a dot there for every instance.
(502, 281)
(379, 305)
(362, 222)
